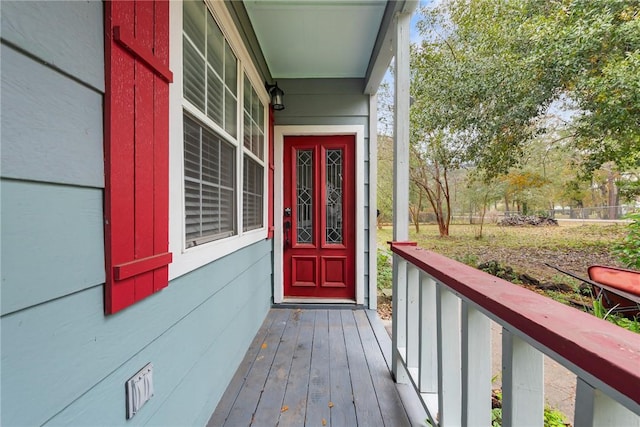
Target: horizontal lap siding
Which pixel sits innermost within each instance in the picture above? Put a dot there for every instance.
(52, 242)
(65, 355)
(64, 35)
(52, 152)
(330, 102)
(49, 121)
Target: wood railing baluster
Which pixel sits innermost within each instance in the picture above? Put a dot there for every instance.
(522, 383)
(413, 323)
(399, 328)
(476, 367)
(449, 369)
(428, 367)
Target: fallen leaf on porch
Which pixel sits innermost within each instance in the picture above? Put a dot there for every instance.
(330, 404)
(264, 345)
(285, 408)
(324, 422)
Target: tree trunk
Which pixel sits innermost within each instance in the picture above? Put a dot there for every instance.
(482, 215)
(612, 191)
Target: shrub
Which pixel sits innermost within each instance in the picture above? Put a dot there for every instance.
(384, 269)
(628, 250)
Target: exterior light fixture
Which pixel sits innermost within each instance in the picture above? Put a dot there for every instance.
(277, 96)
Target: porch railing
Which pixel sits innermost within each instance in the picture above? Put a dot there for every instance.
(442, 345)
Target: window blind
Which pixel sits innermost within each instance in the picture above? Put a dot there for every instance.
(252, 194)
(209, 173)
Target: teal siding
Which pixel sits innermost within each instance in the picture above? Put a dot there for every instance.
(65, 35)
(65, 362)
(49, 121)
(52, 242)
(330, 102)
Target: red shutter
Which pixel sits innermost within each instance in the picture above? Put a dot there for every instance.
(136, 150)
(271, 171)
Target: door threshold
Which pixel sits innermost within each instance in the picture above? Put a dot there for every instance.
(320, 303)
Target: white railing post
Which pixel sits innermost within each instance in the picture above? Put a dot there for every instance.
(399, 319)
(413, 324)
(428, 380)
(449, 363)
(594, 408)
(522, 383)
(476, 367)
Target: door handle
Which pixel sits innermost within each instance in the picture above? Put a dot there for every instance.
(287, 230)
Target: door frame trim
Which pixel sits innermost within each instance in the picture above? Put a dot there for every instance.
(295, 130)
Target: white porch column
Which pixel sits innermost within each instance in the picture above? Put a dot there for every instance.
(400, 176)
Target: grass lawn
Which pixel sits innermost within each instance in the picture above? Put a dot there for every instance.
(573, 247)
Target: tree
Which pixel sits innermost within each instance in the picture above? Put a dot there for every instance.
(592, 51)
(519, 186)
(432, 161)
(480, 193)
(472, 79)
(385, 177)
(488, 69)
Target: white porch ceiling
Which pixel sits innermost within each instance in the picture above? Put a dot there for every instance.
(316, 39)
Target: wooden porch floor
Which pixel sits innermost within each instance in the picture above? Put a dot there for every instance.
(314, 367)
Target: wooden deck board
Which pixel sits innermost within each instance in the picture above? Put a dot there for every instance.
(383, 338)
(391, 408)
(343, 411)
(269, 407)
(363, 392)
(295, 398)
(319, 393)
(262, 351)
(313, 367)
(235, 386)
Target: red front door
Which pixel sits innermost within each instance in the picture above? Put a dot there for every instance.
(319, 217)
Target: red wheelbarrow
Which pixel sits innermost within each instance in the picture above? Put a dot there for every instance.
(617, 288)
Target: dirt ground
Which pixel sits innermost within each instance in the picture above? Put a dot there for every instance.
(531, 261)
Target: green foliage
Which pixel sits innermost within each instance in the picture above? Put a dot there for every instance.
(486, 71)
(628, 250)
(632, 325)
(384, 269)
(561, 297)
(469, 259)
(552, 417)
(504, 272)
(593, 50)
(496, 417)
(600, 312)
(629, 189)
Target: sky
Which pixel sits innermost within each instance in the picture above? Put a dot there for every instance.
(415, 36)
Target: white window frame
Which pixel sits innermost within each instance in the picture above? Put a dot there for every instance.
(189, 259)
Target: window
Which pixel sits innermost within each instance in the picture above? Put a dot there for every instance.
(253, 165)
(223, 151)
